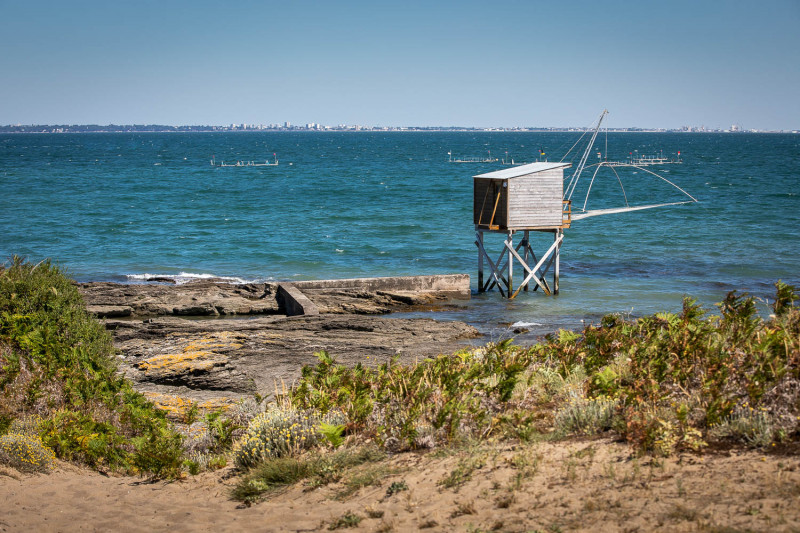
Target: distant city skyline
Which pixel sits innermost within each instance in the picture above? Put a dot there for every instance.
(506, 64)
(316, 127)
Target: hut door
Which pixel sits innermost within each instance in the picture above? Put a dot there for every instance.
(494, 204)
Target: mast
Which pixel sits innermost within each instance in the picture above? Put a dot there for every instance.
(573, 181)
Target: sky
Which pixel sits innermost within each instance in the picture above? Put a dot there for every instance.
(499, 63)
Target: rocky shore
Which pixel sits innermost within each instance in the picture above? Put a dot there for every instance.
(212, 343)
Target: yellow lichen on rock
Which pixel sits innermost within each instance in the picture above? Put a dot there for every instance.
(178, 362)
(177, 407)
(227, 340)
(199, 354)
(217, 404)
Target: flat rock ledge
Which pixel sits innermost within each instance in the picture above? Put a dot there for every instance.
(210, 344)
(368, 296)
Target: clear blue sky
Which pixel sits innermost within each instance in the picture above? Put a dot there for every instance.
(410, 63)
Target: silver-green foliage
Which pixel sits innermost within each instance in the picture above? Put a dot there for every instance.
(26, 453)
(279, 432)
(586, 416)
(751, 426)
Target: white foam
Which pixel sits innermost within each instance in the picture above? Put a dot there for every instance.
(521, 324)
(187, 277)
(139, 276)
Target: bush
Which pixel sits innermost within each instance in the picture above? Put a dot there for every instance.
(29, 425)
(26, 453)
(752, 427)
(270, 475)
(437, 400)
(57, 361)
(661, 381)
(317, 466)
(278, 432)
(678, 375)
(586, 416)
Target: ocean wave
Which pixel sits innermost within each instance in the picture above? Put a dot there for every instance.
(187, 277)
(522, 324)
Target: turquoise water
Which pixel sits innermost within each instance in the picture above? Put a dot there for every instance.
(122, 206)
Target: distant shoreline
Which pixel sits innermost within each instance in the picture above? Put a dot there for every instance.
(93, 128)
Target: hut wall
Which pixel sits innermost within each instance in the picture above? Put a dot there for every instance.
(535, 200)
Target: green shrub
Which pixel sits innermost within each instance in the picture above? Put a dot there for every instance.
(752, 427)
(678, 375)
(220, 430)
(318, 467)
(586, 416)
(437, 400)
(348, 519)
(395, 487)
(56, 360)
(661, 381)
(661, 431)
(270, 475)
(26, 453)
(278, 432)
(332, 433)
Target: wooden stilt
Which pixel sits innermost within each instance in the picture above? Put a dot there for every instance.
(480, 261)
(536, 268)
(497, 274)
(537, 274)
(497, 269)
(558, 262)
(510, 246)
(526, 247)
(532, 261)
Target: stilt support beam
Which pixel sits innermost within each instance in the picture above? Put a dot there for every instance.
(502, 270)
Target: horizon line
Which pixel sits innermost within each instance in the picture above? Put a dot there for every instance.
(315, 127)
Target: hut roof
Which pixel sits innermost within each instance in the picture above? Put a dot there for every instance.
(522, 170)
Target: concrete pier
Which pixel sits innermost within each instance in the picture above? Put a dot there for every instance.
(447, 285)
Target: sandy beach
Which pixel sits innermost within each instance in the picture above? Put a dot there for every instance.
(591, 485)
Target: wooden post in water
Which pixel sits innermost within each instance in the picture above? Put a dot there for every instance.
(526, 247)
(557, 260)
(510, 246)
(479, 234)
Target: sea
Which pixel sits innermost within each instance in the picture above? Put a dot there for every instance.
(125, 207)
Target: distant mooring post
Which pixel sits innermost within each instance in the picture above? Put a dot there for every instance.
(528, 198)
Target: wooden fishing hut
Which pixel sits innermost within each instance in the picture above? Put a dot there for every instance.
(528, 198)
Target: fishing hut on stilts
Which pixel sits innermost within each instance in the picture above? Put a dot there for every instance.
(532, 199)
(527, 198)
